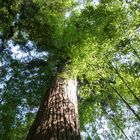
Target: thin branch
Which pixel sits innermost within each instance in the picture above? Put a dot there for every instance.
(110, 116)
(127, 104)
(123, 80)
(135, 52)
(3, 96)
(126, 84)
(37, 63)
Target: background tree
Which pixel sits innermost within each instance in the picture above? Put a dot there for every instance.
(96, 43)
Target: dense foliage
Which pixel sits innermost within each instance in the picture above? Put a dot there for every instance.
(97, 41)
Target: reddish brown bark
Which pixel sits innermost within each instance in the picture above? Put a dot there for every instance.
(57, 118)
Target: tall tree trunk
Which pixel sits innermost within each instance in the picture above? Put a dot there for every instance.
(57, 118)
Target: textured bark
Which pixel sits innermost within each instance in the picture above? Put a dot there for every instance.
(57, 118)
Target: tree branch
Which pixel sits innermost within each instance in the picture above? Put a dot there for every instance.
(127, 104)
(117, 72)
(37, 63)
(110, 116)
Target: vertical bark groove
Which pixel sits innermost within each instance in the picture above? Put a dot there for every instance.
(57, 118)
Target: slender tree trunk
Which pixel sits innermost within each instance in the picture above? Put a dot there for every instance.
(57, 118)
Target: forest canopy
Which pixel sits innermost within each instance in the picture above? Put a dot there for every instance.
(96, 41)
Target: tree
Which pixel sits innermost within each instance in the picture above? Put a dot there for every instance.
(86, 49)
(57, 118)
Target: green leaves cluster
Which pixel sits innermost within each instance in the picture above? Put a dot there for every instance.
(98, 44)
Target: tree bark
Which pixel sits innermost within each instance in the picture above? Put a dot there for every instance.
(57, 118)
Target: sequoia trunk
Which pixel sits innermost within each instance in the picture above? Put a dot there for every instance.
(57, 118)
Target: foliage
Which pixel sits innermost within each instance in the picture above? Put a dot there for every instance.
(97, 43)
